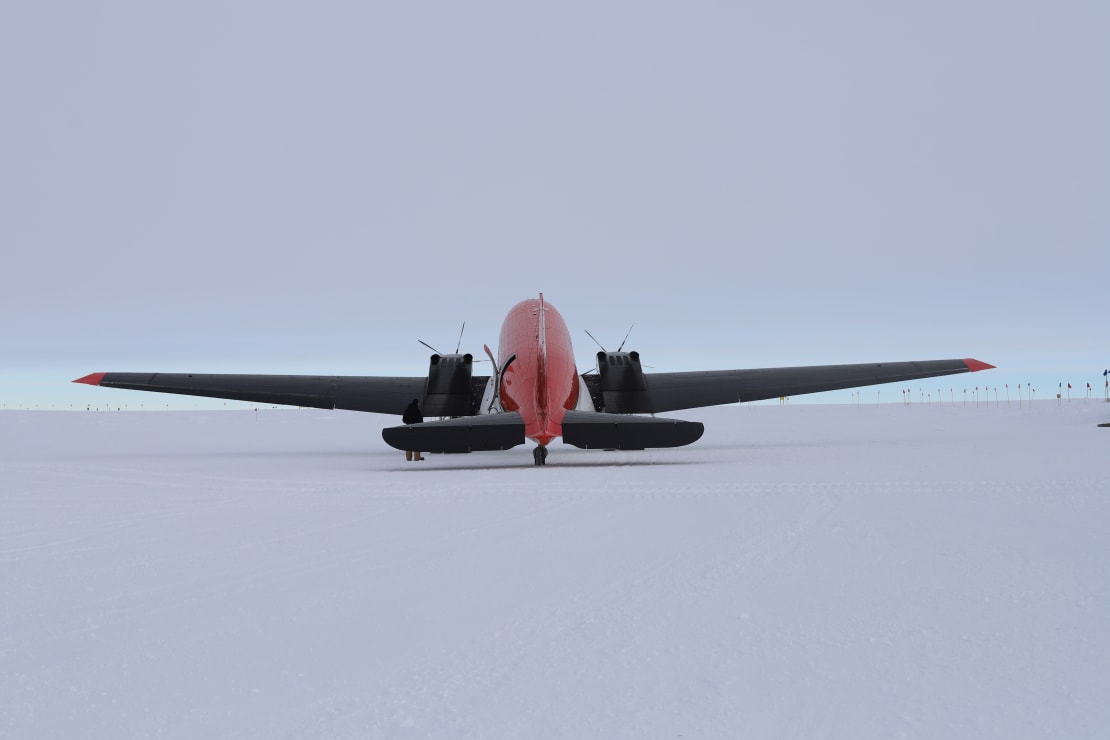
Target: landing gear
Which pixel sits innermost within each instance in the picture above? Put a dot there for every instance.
(540, 455)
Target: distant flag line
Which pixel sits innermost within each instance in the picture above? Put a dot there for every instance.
(978, 398)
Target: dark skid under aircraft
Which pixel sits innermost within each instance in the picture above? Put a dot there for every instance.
(536, 392)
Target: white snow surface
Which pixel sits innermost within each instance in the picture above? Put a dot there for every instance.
(802, 571)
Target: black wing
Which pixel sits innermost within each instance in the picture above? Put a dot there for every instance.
(672, 391)
(383, 395)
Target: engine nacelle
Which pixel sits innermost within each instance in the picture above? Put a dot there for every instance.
(448, 391)
(623, 386)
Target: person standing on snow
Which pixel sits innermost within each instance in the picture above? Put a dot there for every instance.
(412, 415)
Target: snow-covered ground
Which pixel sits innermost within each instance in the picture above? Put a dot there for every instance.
(802, 571)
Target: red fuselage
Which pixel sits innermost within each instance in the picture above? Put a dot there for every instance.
(542, 383)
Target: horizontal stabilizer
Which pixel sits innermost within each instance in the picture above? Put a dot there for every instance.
(465, 434)
(590, 430)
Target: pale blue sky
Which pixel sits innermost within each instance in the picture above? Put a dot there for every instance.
(296, 187)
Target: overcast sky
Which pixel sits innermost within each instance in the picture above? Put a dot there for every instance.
(312, 187)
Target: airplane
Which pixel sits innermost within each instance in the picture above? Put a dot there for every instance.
(535, 392)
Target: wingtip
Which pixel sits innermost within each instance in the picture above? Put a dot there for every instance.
(977, 365)
(92, 379)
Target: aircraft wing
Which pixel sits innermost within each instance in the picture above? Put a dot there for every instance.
(686, 390)
(383, 395)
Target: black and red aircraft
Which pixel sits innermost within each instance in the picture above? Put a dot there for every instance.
(536, 392)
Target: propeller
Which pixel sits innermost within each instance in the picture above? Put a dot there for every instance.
(498, 375)
(458, 344)
(602, 347)
(620, 348)
(626, 337)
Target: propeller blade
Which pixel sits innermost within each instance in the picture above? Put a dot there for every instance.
(626, 337)
(459, 343)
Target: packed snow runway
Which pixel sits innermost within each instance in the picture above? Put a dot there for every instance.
(802, 571)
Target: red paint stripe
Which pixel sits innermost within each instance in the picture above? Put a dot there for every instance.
(93, 379)
(977, 365)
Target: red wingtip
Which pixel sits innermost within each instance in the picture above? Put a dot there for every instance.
(977, 365)
(93, 379)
